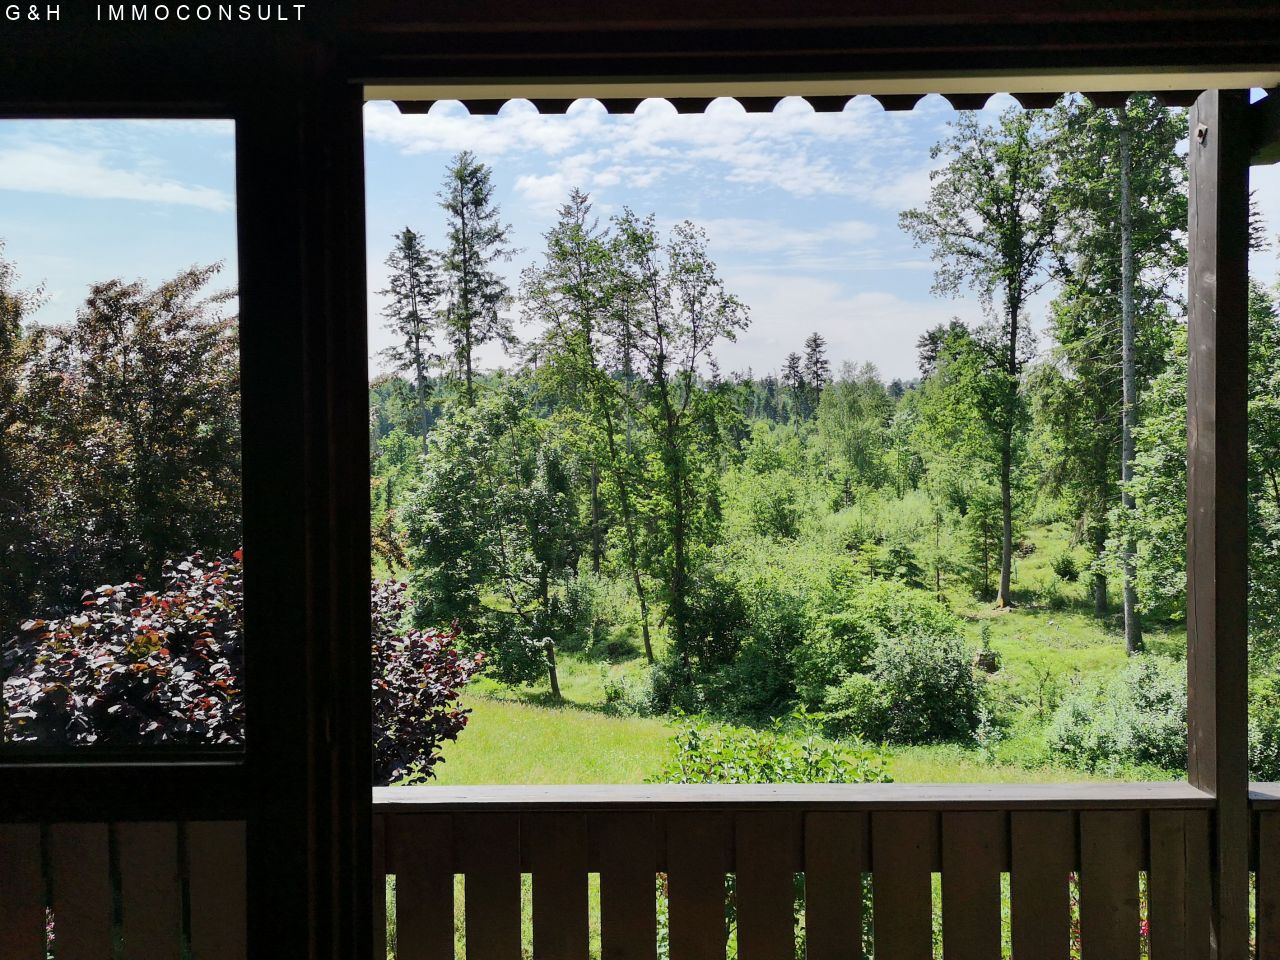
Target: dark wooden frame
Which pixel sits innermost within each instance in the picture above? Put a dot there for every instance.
(302, 782)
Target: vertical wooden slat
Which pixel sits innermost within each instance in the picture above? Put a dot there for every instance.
(22, 912)
(903, 852)
(974, 852)
(1110, 858)
(767, 857)
(1167, 886)
(1042, 855)
(488, 847)
(378, 879)
(420, 848)
(1199, 884)
(556, 846)
(836, 855)
(697, 845)
(1268, 885)
(1217, 478)
(149, 891)
(627, 853)
(216, 878)
(1178, 884)
(81, 890)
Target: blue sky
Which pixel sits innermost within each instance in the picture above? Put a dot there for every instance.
(801, 208)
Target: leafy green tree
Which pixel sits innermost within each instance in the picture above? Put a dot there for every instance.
(144, 386)
(17, 468)
(582, 355)
(1157, 524)
(973, 422)
(491, 529)
(853, 413)
(412, 289)
(671, 309)
(1122, 186)
(474, 293)
(991, 224)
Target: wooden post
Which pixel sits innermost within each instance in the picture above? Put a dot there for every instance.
(1217, 534)
(306, 532)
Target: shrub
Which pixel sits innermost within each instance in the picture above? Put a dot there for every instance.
(417, 676)
(1065, 566)
(1264, 729)
(852, 617)
(142, 667)
(703, 753)
(921, 689)
(773, 507)
(136, 666)
(1134, 718)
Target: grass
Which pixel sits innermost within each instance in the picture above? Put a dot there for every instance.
(515, 742)
(1047, 641)
(509, 741)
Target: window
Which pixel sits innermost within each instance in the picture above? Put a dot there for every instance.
(119, 366)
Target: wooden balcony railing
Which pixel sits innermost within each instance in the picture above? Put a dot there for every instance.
(1099, 840)
(1073, 855)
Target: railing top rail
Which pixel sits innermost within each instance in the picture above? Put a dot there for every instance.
(1264, 796)
(868, 796)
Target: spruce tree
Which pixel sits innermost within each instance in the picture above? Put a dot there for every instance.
(413, 287)
(476, 241)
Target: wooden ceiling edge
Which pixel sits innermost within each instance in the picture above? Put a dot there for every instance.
(599, 88)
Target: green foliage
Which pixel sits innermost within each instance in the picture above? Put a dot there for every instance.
(920, 689)
(473, 291)
(1065, 566)
(791, 750)
(1135, 718)
(853, 620)
(490, 531)
(123, 435)
(1264, 729)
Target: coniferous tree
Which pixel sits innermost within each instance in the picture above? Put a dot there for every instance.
(475, 294)
(817, 368)
(412, 289)
(793, 380)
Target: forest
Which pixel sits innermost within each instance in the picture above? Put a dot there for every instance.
(988, 558)
(608, 559)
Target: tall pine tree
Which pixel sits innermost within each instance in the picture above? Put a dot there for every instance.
(475, 294)
(412, 289)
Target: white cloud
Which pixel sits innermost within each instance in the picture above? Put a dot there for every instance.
(795, 149)
(862, 327)
(48, 168)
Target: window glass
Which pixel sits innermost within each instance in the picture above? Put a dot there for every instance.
(120, 560)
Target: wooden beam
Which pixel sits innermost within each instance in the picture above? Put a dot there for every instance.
(1264, 124)
(1217, 535)
(305, 422)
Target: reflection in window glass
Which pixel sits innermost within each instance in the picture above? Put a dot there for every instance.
(120, 564)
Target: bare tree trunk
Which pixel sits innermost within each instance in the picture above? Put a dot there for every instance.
(1100, 607)
(596, 550)
(1129, 415)
(1003, 598)
(549, 646)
